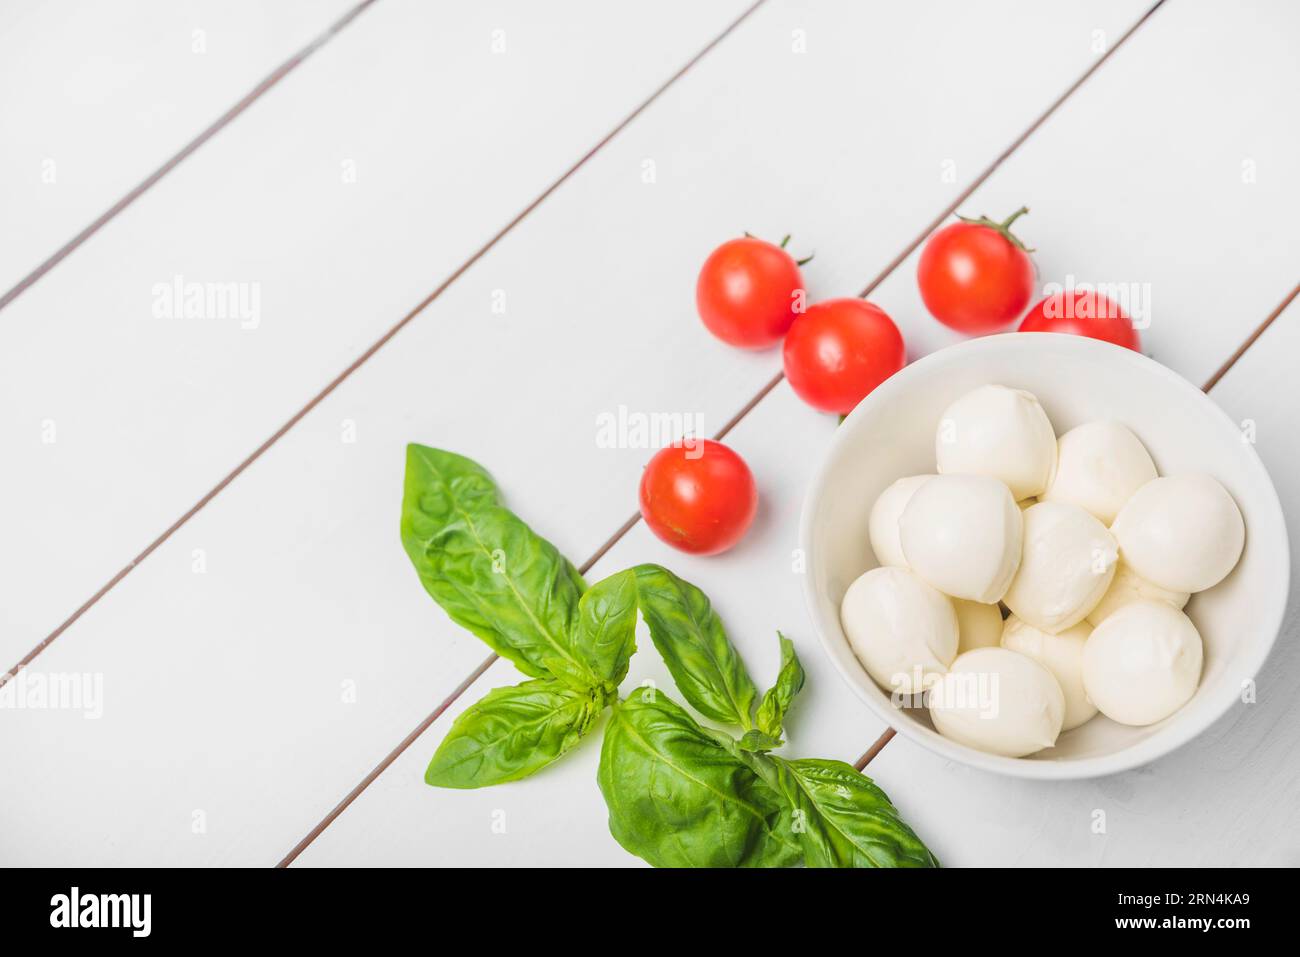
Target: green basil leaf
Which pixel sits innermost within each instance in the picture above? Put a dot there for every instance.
(576, 676)
(780, 846)
(842, 819)
(758, 741)
(513, 732)
(776, 702)
(690, 637)
(487, 569)
(678, 798)
(606, 638)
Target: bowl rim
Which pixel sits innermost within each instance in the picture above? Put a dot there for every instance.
(1145, 751)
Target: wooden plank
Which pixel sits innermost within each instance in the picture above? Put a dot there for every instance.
(95, 97)
(305, 587)
(334, 205)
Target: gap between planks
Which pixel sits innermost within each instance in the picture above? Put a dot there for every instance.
(374, 347)
(748, 407)
(221, 122)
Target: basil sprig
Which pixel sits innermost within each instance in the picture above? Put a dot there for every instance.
(679, 794)
(679, 798)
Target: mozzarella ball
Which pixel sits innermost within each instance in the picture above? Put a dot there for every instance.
(902, 630)
(1128, 586)
(1181, 532)
(883, 525)
(1066, 566)
(1142, 663)
(978, 625)
(961, 533)
(998, 701)
(1098, 468)
(1062, 655)
(999, 432)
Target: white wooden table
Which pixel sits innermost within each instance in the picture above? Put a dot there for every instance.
(477, 226)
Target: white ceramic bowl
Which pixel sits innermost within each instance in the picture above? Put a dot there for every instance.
(891, 434)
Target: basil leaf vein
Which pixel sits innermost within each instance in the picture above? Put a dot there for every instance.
(487, 569)
(513, 732)
(679, 798)
(704, 664)
(776, 701)
(606, 637)
(758, 741)
(842, 819)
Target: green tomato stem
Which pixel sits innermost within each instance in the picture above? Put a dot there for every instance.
(1004, 227)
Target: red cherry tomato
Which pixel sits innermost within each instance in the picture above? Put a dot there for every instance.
(698, 496)
(749, 292)
(1083, 314)
(976, 276)
(839, 350)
